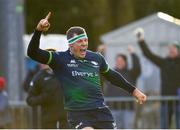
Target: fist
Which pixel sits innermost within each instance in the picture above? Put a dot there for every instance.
(139, 32)
(44, 24)
(130, 49)
(140, 97)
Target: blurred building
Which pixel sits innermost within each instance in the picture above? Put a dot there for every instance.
(55, 41)
(160, 29)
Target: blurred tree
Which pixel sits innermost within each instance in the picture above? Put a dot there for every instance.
(92, 15)
(96, 16)
(122, 12)
(144, 8)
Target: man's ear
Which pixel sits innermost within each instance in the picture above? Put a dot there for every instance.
(70, 46)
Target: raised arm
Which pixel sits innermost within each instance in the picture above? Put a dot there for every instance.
(34, 51)
(136, 67)
(146, 51)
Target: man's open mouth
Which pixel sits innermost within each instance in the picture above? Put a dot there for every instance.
(83, 51)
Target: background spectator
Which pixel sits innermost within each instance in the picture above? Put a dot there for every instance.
(45, 91)
(170, 77)
(125, 110)
(5, 117)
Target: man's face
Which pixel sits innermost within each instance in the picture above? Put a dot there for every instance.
(120, 63)
(79, 48)
(173, 51)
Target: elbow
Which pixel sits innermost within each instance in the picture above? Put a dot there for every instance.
(29, 52)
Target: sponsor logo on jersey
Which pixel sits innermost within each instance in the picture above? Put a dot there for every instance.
(72, 64)
(83, 61)
(82, 74)
(95, 64)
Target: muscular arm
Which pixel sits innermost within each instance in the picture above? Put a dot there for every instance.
(34, 51)
(118, 80)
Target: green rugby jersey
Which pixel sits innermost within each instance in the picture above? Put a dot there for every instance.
(80, 79)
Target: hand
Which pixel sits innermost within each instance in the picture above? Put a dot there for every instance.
(101, 48)
(44, 24)
(141, 97)
(139, 32)
(130, 49)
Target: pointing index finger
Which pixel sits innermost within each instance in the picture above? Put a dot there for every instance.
(48, 16)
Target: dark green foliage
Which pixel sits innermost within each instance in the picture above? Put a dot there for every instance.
(96, 16)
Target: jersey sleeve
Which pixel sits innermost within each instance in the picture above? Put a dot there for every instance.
(55, 59)
(104, 67)
(34, 51)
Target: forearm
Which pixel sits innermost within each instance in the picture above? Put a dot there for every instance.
(117, 79)
(34, 51)
(34, 100)
(151, 56)
(141, 41)
(136, 69)
(144, 48)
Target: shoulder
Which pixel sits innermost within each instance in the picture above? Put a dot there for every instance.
(50, 82)
(95, 57)
(93, 54)
(60, 52)
(3, 94)
(178, 58)
(39, 76)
